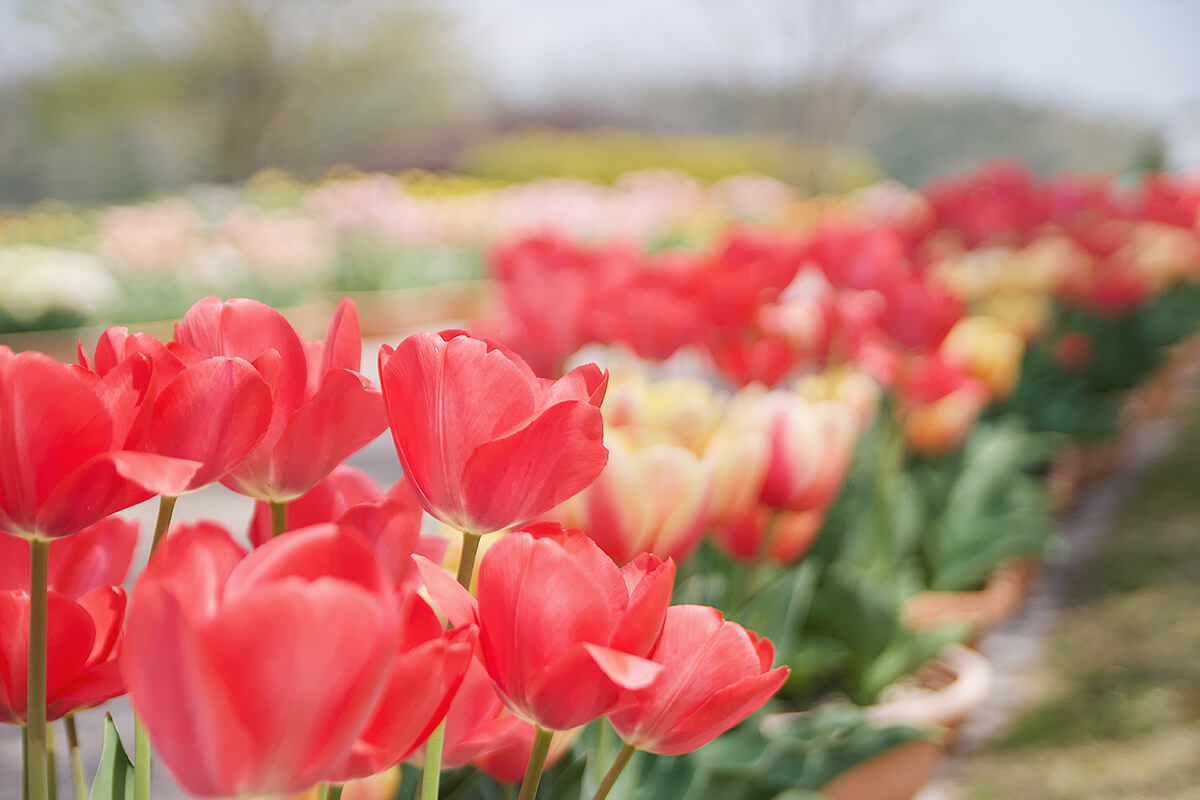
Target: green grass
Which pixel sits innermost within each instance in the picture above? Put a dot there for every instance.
(1119, 708)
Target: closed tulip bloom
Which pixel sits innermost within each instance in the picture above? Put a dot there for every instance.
(256, 673)
(738, 460)
(427, 669)
(563, 631)
(850, 386)
(485, 443)
(651, 499)
(764, 533)
(939, 403)
(684, 411)
(323, 408)
(988, 349)
(715, 674)
(86, 610)
(84, 635)
(811, 446)
(66, 462)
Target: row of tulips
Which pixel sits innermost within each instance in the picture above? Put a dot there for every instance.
(338, 646)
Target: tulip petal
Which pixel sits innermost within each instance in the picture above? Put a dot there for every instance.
(527, 473)
(177, 694)
(51, 422)
(312, 553)
(448, 595)
(213, 412)
(345, 415)
(624, 669)
(108, 483)
(720, 712)
(343, 340)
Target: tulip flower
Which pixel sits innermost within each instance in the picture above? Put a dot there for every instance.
(485, 443)
(480, 731)
(562, 630)
(715, 674)
(87, 608)
(743, 358)
(989, 350)
(209, 410)
(390, 521)
(427, 669)
(764, 533)
(652, 499)
(852, 387)
(738, 461)
(65, 465)
(683, 411)
(83, 637)
(811, 446)
(939, 404)
(98, 555)
(324, 409)
(256, 673)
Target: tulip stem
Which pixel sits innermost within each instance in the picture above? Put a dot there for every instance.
(141, 760)
(51, 763)
(431, 775)
(537, 762)
(466, 561)
(330, 791)
(278, 516)
(166, 507)
(76, 758)
(25, 763)
(614, 772)
(39, 558)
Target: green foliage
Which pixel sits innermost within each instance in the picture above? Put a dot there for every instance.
(1047, 398)
(114, 778)
(806, 753)
(983, 506)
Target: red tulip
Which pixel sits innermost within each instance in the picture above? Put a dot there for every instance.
(345, 486)
(210, 410)
(767, 533)
(484, 442)
(715, 674)
(563, 632)
(324, 409)
(82, 641)
(480, 731)
(99, 555)
(256, 673)
(428, 667)
(390, 521)
(939, 403)
(64, 456)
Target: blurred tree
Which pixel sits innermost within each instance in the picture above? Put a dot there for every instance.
(148, 94)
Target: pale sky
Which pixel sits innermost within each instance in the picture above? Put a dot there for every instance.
(1137, 57)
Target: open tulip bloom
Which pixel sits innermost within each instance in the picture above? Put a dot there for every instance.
(486, 443)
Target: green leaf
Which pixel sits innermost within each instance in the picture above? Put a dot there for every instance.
(114, 779)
